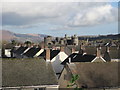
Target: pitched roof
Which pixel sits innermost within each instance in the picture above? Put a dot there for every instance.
(107, 56)
(27, 72)
(92, 50)
(67, 50)
(31, 52)
(20, 50)
(96, 75)
(53, 53)
(76, 57)
(114, 53)
(98, 59)
(67, 59)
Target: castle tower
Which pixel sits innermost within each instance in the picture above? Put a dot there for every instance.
(75, 40)
(48, 40)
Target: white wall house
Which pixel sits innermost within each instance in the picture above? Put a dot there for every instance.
(57, 60)
(39, 52)
(7, 52)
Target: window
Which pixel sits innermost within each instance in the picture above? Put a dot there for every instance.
(66, 77)
(40, 88)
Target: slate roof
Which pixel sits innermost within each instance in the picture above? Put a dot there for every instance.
(20, 50)
(27, 72)
(99, 59)
(32, 51)
(53, 53)
(96, 75)
(67, 50)
(76, 57)
(114, 51)
(107, 57)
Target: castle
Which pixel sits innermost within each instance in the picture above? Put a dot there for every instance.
(73, 40)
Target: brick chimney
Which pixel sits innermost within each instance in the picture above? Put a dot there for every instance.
(54, 48)
(46, 47)
(42, 46)
(107, 49)
(47, 54)
(62, 48)
(98, 52)
(69, 60)
(82, 47)
(73, 50)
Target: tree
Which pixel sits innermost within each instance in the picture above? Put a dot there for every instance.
(28, 43)
(13, 42)
(73, 82)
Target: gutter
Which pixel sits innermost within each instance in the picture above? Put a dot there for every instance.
(39, 86)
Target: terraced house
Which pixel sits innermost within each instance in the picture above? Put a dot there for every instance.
(28, 74)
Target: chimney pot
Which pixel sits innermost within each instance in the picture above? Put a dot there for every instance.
(62, 49)
(73, 50)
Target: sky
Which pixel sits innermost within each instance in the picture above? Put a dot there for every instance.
(60, 18)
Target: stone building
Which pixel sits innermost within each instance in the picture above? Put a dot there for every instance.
(48, 40)
(73, 40)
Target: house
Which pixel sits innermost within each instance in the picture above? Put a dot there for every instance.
(29, 74)
(40, 51)
(92, 76)
(31, 52)
(28, 52)
(111, 53)
(55, 57)
(77, 57)
(8, 52)
(114, 54)
(98, 58)
(84, 57)
(18, 53)
(107, 55)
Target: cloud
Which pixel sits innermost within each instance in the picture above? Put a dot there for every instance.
(67, 15)
(94, 16)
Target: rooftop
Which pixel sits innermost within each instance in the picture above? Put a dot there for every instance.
(27, 72)
(95, 75)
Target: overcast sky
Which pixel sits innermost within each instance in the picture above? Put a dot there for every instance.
(57, 19)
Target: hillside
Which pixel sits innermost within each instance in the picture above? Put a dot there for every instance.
(111, 36)
(8, 36)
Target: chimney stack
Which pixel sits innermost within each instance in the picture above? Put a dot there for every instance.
(98, 52)
(82, 47)
(69, 60)
(42, 46)
(62, 48)
(73, 50)
(107, 49)
(45, 47)
(54, 48)
(48, 55)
